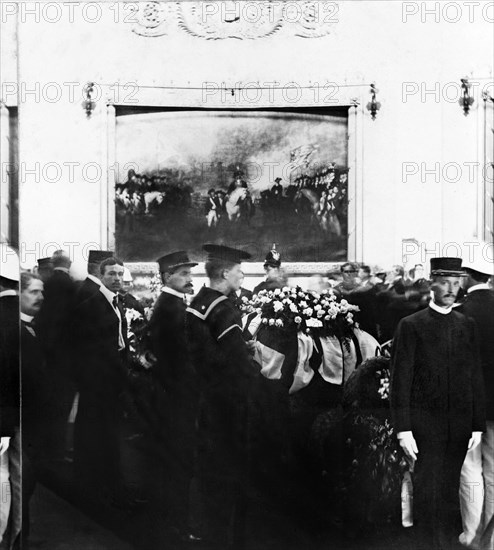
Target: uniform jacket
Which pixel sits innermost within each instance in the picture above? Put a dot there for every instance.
(479, 305)
(436, 378)
(237, 300)
(167, 331)
(214, 333)
(129, 301)
(9, 365)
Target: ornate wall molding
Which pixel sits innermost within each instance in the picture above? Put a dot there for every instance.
(228, 19)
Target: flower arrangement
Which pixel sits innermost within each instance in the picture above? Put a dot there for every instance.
(137, 335)
(376, 465)
(311, 312)
(383, 376)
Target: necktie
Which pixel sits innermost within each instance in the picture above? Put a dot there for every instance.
(121, 341)
(30, 327)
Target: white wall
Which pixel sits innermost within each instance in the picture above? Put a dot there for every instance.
(369, 43)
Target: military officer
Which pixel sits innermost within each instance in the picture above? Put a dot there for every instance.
(177, 377)
(226, 373)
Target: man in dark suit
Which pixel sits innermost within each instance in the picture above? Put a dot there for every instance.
(226, 373)
(52, 324)
(92, 282)
(10, 458)
(101, 347)
(38, 397)
(437, 402)
(177, 377)
(478, 469)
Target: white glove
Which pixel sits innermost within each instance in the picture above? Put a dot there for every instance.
(408, 444)
(474, 440)
(4, 444)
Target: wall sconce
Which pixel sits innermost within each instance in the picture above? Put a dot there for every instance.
(467, 100)
(373, 106)
(88, 104)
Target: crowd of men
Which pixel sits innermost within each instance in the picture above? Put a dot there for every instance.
(72, 338)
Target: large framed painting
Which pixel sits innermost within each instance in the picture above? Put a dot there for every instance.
(245, 178)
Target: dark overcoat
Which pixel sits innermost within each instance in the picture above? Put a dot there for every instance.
(436, 380)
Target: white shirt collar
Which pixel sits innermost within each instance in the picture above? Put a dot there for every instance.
(442, 310)
(173, 292)
(95, 280)
(65, 270)
(480, 286)
(8, 293)
(108, 294)
(26, 318)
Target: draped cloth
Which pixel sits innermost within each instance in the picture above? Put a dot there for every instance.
(303, 372)
(277, 360)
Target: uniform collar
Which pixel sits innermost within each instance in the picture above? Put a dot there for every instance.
(65, 270)
(173, 292)
(480, 286)
(26, 318)
(442, 310)
(8, 293)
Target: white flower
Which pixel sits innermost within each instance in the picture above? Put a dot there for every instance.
(298, 320)
(278, 306)
(293, 308)
(276, 291)
(132, 315)
(317, 307)
(314, 323)
(265, 321)
(308, 312)
(327, 318)
(271, 322)
(344, 302)
(303, 304)
(286, 289)
(279, 322)
(320, 313)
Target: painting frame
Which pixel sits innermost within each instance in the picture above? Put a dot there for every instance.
(162, 99)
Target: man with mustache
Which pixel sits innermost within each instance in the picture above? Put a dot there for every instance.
(437, 402)
(101, 349)
(38, 398)
(177, 377)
